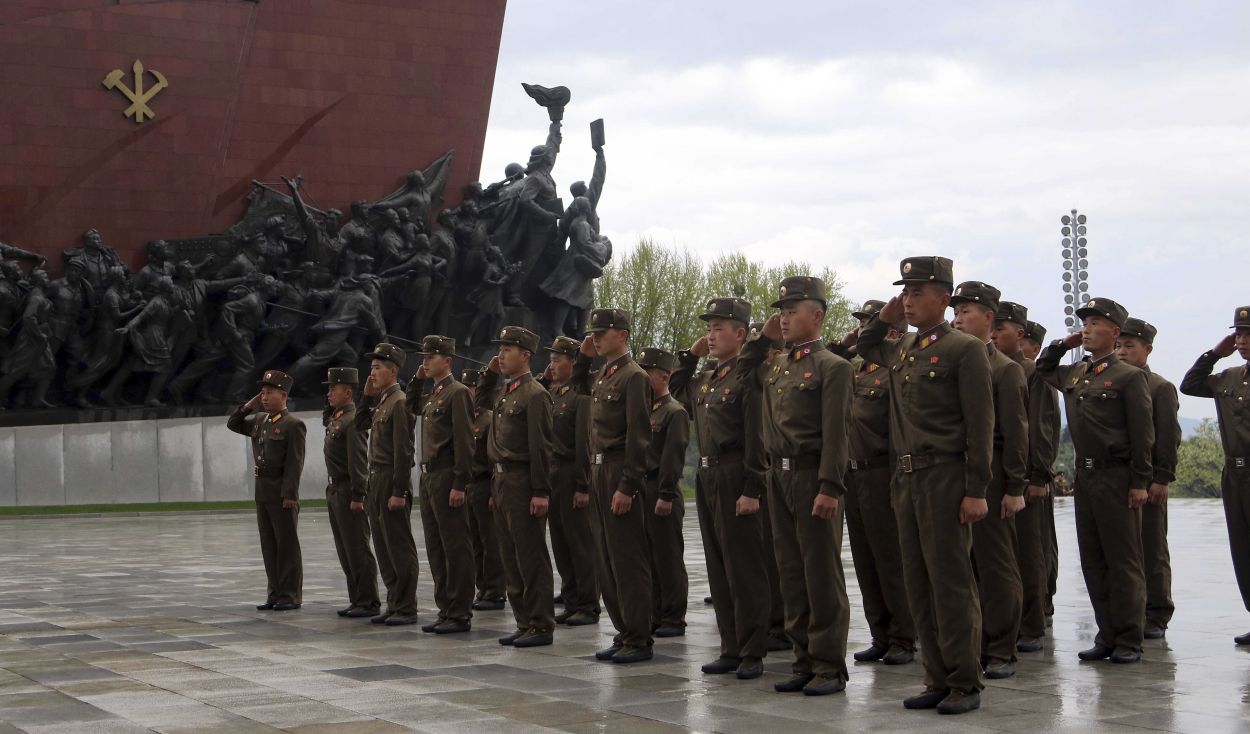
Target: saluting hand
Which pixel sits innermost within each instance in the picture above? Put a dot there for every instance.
(1226, 347)
(700, 347)
(493, 366)
(1137, 498)
(254, 403)
(1073, 340)
(825, 507)
(892, 312)
(588, 346)
(371, 387)
(421, 374)
(455, 498)
(621, 503)
(772, 328)
(1011, 505)
(539, 506)
(973, 509)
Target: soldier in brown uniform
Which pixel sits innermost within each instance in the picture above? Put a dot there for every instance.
(620, 431)
(1134, 347)
(662, 498)
(728, 486)
(488, 569)
(278, 455)
(446, 411)
(519, 446)
(1231, 390)
(806, 405)
(346, 451)
(1042, 474)
(777, 639)
(572, 543)
(994, 538)
(870, 517)
(1032, 529)
(392, 446)
(942, 435)
(1112, 427)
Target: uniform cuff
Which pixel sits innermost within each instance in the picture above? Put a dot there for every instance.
(832, 489)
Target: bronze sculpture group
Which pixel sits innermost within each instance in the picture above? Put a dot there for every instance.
(293, 285)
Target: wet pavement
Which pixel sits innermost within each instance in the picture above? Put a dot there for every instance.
(132, 624)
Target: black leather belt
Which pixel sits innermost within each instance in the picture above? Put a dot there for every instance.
(911, 462)
(267, 472)
(795, 463)
(609, 456)
(729, 457)
(503, 467)
(1089, 463)
(653, 476)
(438, 464)
(340, 480)
(876, 462)
(1237, 462)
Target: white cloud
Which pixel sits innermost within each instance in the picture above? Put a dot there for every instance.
(857, 160)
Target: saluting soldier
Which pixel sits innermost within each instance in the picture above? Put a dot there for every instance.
(942, 435)
(1034, 523)
(1134, 347)
(572, 542)
(446, 411)
(488, 568)
(620, 430)
(392, 446)
(806, 404)
(1112, 427)
(870, 517)
(994, 538)
(1231, 390)
(519, 445)
(346, 451)
(278, 455)
(1049, 431)
(728, 486)
(777, 639)
(662, 499)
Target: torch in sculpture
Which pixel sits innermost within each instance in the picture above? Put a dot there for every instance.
(1075, 271)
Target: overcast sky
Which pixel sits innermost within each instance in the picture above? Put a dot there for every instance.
(853, 134)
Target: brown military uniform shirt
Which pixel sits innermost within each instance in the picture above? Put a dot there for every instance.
(392, 444)
(520, 429)
(277, 451)
(570, 432)
(806, 403)
(941, 396)
(666, 456)
(1011, 420)
(481, 431)
(446, 427)
(346, 449)
(1043, 423)
(1165, 405)
(1108, 407)
(726, 413)
(620, 420)
(1231, 390)
(870, 412)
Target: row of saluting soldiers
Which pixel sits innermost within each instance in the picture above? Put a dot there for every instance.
(936, 443)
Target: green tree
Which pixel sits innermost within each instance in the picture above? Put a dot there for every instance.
(666, 288)
(1199, 462)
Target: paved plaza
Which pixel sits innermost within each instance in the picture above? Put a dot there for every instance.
(115, 624)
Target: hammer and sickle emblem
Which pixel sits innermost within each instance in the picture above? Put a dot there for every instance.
(139, 97)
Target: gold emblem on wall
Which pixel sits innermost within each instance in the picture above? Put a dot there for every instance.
(138, 96)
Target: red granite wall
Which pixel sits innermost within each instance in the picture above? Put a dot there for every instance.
(350, 93)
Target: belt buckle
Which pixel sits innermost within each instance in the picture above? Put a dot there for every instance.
(256, 471)
(598, 458)
(904, 463)
(499, 468)
(854, 465)
(705, 462)
(1239, 462)
(1087, 463)
(425, 468)
(787, 464)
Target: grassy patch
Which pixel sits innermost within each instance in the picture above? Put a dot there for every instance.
(140, 507)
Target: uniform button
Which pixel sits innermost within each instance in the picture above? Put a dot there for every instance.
(786, 372)
(778, 391)
(911, 359)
